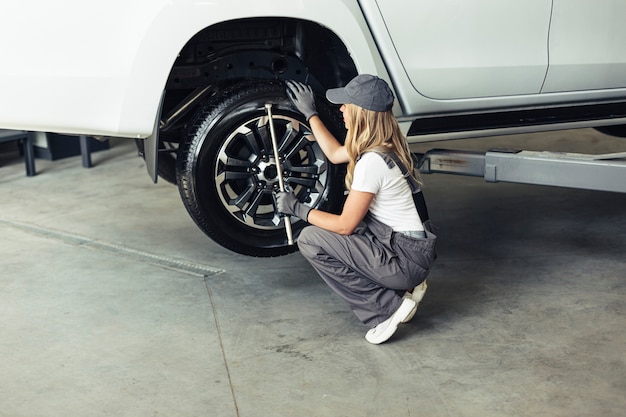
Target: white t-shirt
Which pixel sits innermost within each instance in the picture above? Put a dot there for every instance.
(393, 202)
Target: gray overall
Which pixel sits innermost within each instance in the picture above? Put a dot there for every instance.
(372, 268)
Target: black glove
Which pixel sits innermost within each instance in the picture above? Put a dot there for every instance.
(302, 97)
(287, 203)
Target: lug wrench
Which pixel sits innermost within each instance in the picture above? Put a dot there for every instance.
(279, 168)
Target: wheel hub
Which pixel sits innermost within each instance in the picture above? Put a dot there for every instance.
(267, 173)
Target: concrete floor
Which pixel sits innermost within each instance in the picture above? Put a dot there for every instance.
(113, 303)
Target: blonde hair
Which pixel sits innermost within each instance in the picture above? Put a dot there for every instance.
(375, 131)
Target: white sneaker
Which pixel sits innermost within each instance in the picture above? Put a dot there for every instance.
(416, 295)
(387, 328)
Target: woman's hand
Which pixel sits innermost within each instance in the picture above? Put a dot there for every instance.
(302, 97)
(287, 203)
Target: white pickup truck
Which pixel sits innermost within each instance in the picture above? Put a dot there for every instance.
(190, 80)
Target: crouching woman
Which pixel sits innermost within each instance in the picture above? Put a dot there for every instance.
(376, 254)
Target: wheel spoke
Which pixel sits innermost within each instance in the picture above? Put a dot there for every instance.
(304, 169)
(254, 212)
(234, 175)
(294, 140)
(305, 182)
(238, 163)
(250, 137)
(243, 199)
(264, 135)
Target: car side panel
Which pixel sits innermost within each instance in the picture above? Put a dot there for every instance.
(412, 89)
(587, 45)
(466, 49)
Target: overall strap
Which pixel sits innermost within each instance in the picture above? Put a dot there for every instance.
(392, 159)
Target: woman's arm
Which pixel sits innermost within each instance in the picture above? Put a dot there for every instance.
(354, 210)
(334, 151)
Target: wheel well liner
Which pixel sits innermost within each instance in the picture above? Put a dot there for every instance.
(267, 48)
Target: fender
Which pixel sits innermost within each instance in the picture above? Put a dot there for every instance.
(100, 69)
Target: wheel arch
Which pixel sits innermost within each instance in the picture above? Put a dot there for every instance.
(249, 48)
(263, 48)
(168, 28)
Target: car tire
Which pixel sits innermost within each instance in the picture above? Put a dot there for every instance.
(227, 175)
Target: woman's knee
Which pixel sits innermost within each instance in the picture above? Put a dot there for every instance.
(311, 241)
(306, 239)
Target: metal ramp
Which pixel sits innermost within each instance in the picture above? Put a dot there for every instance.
(606, 172)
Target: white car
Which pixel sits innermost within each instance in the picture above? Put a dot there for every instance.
(192, 78)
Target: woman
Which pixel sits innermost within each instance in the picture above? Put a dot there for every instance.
(372, 266)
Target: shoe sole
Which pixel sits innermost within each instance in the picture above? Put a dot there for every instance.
(405, 310)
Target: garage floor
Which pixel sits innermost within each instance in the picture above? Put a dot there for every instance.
(113, 303)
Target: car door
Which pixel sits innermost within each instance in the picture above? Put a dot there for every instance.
(587, 45)
(457, 49)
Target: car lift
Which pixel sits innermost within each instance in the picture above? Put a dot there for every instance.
(606, 172)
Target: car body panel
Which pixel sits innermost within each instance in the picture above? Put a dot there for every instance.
(100, 68)
(414, 104)
(587, 45)
(460, 50)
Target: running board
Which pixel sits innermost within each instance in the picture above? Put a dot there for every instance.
(605, 172)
